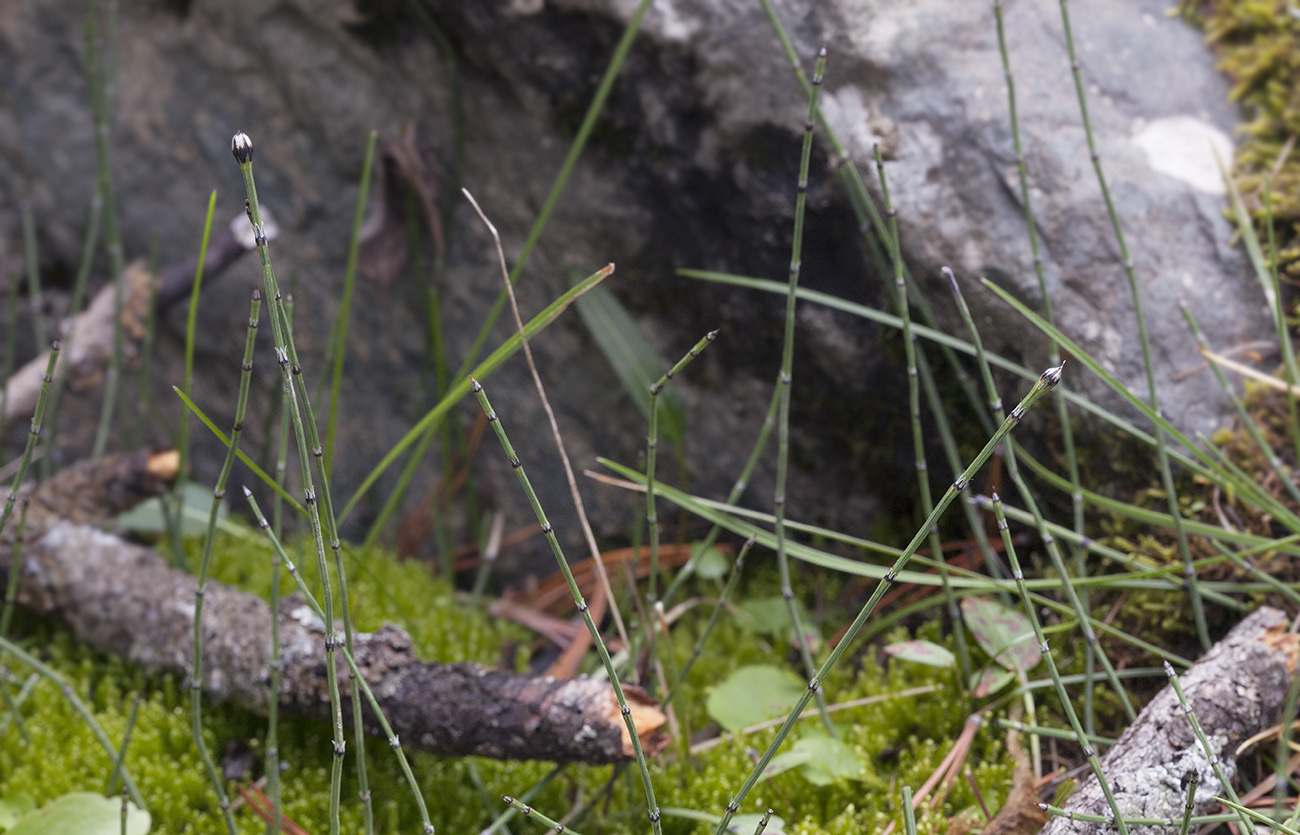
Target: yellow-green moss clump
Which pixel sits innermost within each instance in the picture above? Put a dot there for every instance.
(900, 740)
(1258, 44)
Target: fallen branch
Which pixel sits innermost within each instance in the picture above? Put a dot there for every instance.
(1236, 690)
(123, 599)
(88, 336)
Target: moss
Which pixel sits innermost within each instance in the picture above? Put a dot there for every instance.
(1258, 44)
(900, 740)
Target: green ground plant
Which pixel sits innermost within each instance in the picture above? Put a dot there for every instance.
(833, 677)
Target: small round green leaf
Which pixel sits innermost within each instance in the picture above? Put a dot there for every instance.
(711, 564)
(922, 652)
(84, 813)
(1004, 633)
(753, 694)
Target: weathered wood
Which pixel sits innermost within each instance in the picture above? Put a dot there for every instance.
(1236, 691)
(124, 599)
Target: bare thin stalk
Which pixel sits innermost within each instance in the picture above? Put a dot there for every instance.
(11, 585)
(339, 333)
(578, 505)
(1045, 383)
(201, 580)
(732, 581)
(920, 464)
(870, 219)
(272, 767)
(529, 812)
(1274, 461)
(1054, 354)
(1216, 764)
(74, 308)
(1193, 782)
(1130, 273)
(99, 72)
(11, 342)
(360, 680)
(1080, 735)
(34, 297)
(653, 604)
(499, 824)
(1082, 817)
(242, 148)
(1027, 496)
(737, 489)
(191, 332)
(33, 436)
(652, 448)
(580, 138)
(785, 381)
(578, 600)
(909, 814)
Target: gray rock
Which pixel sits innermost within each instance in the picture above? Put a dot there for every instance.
(693, 164)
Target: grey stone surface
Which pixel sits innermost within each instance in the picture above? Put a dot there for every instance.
(693, 164)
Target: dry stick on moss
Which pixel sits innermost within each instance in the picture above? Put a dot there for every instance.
(785, 381)
(587, 534)
(1045, 383)
(578, 600)
(201, 579)
(89, 345)
(1236, 690)
(103, 587)
(1130, 273)
(894, 246)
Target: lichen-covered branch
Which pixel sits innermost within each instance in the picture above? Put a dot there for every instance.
(1236, 691)
(124, 599)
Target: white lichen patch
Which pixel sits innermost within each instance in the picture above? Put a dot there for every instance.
(1187, 149)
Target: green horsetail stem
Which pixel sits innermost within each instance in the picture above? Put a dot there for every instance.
(1045, 383)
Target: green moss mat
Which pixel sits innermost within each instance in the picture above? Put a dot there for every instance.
(901, 740)
(1258, 44)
